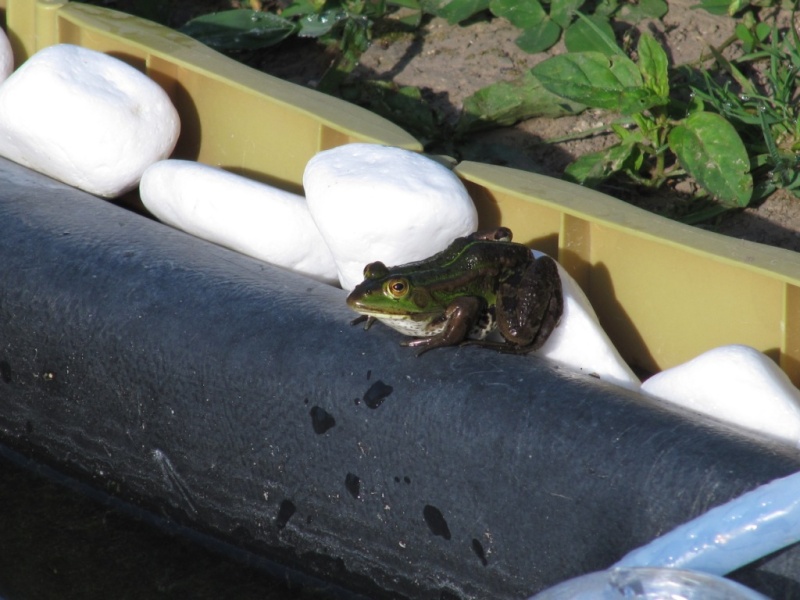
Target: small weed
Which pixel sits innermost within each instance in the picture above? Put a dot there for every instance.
(347, 24)
(734, 128)
(737, 7)
(765, 114)
(660, 136)
(543, 23)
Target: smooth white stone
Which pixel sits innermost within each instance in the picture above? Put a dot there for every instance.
(580, 343)
(377, 203)
(241, 214)
(6, 57)
(85, 118)
(737, 384)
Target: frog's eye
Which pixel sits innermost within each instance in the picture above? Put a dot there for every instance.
(397, 288)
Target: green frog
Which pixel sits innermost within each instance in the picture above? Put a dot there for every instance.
(481, 283)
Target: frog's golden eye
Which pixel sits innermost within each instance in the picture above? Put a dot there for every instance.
(397, 288)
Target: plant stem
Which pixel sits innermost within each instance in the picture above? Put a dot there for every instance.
(580, 135)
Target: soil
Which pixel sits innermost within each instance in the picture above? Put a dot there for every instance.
(449, 63)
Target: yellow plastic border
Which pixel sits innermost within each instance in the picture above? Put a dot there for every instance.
(665, 292)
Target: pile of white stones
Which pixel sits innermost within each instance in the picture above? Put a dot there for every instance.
(98, 124)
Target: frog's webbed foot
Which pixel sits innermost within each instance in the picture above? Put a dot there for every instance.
(460, 317)
(366, 319)
(530, 305)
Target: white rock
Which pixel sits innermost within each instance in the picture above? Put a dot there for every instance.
(580, 343)
(737, 384)
(85, 118)
(6, 57)
(374, 202)
(252, 218)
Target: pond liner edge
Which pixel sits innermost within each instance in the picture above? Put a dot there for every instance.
(235, 398)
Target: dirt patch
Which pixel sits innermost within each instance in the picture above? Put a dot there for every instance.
(449, 63)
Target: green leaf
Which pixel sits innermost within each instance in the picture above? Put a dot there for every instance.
(563, 11)
(607, 8)
(525, 14)
(763, 30)
(239, 29)
(456, 11)
(505, 103)
(539, 30)
(710, 150)
(316, 25)
(644, 9)
(299, 8)
(414, 18)
(654, 65)
(590, 34)
(736, 5)
(594, 168)
(610, 82)
(539, 39)
(715, 7)
(601, 35)
(746, 37)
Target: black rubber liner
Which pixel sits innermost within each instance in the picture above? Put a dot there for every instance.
(235, 398)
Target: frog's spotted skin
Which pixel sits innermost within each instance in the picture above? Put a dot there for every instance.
(480, 284)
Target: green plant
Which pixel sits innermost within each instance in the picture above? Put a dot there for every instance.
(767, 115)
(734, 126)
(543, 22)
(734, 7)
(347, 24)
(660, 136)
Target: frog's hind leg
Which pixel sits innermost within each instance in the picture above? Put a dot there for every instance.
(530, 305)
(460, 318)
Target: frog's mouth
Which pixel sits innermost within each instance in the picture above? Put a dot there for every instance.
(395, 315)
(420, 324)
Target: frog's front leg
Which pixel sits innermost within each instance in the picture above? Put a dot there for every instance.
(530, 305)
(459, 318)
(367, 320)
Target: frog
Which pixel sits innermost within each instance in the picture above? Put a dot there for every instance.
(481, 285)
